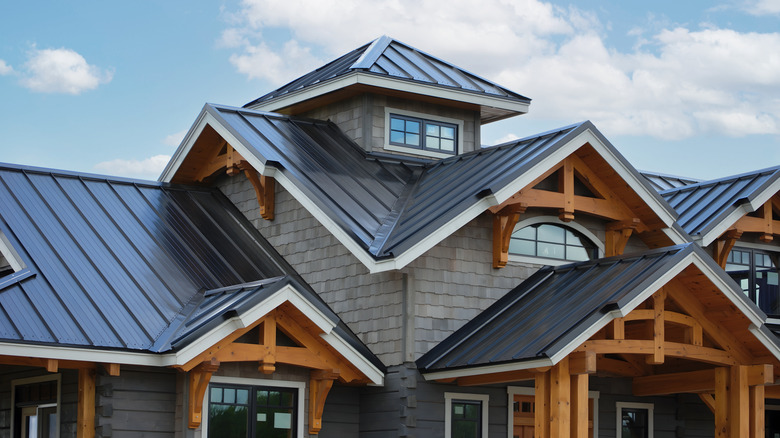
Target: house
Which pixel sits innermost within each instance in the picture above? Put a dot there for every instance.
(341, 257)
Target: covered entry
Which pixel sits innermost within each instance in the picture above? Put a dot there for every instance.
(668, 319)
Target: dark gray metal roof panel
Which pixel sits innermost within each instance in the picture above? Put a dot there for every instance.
(116, 263)
(550, 308)
(702, 206)
(387, 57)
(661, 182)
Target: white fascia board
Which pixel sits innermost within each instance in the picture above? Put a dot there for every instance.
(488, 369)
(350, 354)
(354, 78)
(184, 148)
(742, 210)
(81, 354)
(749, 311)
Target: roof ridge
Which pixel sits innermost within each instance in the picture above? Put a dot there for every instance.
(705, 183)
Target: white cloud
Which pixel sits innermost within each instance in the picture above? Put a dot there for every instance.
(5, 69)
(62, 71)
(762, 7)
(674, 83)
(175, 138)
(149, 168)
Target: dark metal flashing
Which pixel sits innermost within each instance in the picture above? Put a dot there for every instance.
(703, 206)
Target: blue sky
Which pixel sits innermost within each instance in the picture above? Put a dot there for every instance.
(688, 88)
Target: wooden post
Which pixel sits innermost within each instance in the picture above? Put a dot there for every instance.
(542, 405)
(721, 402)
(579, 406)
(757, 411)
(658, 328)
(739, 405)
(560, 400)
(85, 423)
(566, 185)
(268, 339)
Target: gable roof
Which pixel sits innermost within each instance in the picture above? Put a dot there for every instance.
(708, 208)
(559, 308)
(388, 210)
(131, 266)
(389, 63)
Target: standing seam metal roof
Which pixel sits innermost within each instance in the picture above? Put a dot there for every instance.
(386, 57)
(703, 206)
(123, 264)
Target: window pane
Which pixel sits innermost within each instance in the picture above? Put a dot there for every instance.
(431, 129)
(447, 132)
(396, 137)
(228, 421)
(447, 145)
(229, 395)
(396, 124)
(432, 142)
(242, 396)
(550, 250)
(466, 419)
(525, 233)
(522, 247)
(634, 423)
(216, 395)
(413, 139)
(577, 253)
(551, 233)
(413, 127)
(262, 398)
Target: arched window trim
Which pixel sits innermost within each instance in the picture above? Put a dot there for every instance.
(555, 221)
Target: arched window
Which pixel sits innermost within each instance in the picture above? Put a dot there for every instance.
(553, 242)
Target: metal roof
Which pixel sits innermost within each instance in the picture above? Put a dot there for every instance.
(661, 182)
(705, 205)
(388, 204)
(386, 57)
(546, 312)
(124, 264)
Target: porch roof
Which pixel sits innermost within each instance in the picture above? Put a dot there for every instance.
(553, 311)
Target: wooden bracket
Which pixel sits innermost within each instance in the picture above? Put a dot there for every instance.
(265, 188)
(111, 368)
(268, 338)
(724, 245)
(199, 382)
(504, 223)
(320, 382)
(617, 234)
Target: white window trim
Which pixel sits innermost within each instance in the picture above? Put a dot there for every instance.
(555, 221)
(37, 379)
(619, 415)
(450, 396)
(422, 152)
(300, 386)
(525, 390)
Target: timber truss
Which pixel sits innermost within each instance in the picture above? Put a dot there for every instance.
(765, 222)
(667, 345)
(602, 202)
(260, 343)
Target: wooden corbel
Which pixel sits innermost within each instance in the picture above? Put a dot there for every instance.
(724, 245)
(320, 382)
(504, 223)
(268, 339)
(265, 189)
(618, 234)
(199, 382)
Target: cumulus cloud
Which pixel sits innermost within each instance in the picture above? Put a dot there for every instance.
(674, 82)
(762, 7)
(5, 69)
(175, 138)
(62, 71)
(149, 168)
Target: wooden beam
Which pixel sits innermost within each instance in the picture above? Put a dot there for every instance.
(763, 225)
(617, 367)
(647, 347)
(52, 365)
(582, 362)
(767, 236)
(579, 406)
(566, 185)
(772, 391)
(560, 400)
(709, 400)
(268, 341)
(739, 403)
(657, 357)
(320, 383)
(702, 381)
(502, 377)
(542, 405)
(198, 383)
(85, 419)
(757, 411)
(722, 402)
(724, 244)
(602, 208)
(112, 369)
(504, 223)
(617, 235)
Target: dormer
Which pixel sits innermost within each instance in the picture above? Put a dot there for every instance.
(390, 97)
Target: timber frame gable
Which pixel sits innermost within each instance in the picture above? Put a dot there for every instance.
(416, 214)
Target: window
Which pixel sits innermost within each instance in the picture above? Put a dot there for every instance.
(247, 408)
(553, 242)
(465, 415)
(635, 420)
(758, 275)
(427, 135)
(36, 407)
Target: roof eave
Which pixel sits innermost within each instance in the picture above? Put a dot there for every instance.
(510, 106)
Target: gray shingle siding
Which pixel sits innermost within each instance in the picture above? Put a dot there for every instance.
(138, 402)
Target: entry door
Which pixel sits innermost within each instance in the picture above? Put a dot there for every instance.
(524, 408)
